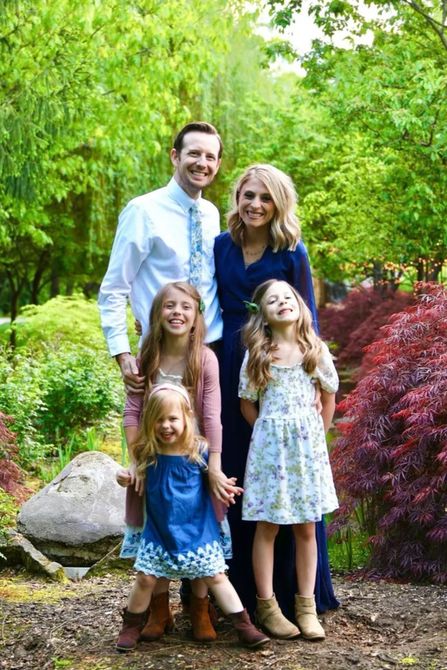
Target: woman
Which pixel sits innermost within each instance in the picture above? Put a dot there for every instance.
(262, 242)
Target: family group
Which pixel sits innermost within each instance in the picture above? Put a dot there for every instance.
(228, 403)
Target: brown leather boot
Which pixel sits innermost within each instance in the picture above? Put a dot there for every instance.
(130, 631)
(160, 618)
(247, 633)
(202, 628)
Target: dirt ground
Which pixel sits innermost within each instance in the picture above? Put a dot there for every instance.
(73, 627)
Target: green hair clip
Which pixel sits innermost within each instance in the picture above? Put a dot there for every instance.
(252, 307)
(201, 306)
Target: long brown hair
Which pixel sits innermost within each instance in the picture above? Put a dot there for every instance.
(147, 446)
(257, 338)
(152, 347)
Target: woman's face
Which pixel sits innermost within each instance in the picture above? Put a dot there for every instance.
(256, 206)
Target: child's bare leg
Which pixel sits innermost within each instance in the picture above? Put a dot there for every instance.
(268, 613)
(306, 557)
(224, 592)
(161, 586)
(230, 603)
(134, 615)
(263, 554)
(141, 593)
(306, 570)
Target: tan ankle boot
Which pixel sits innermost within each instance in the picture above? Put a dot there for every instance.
(306, 618)
(272, 620)
(160, 618)
(202, 628)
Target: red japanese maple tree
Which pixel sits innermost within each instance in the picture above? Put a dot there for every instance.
(11, 475)
(391, 456)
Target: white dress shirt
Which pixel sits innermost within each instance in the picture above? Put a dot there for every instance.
(152, 248)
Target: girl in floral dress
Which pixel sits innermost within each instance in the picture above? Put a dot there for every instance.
(288, 479)
(181, 537)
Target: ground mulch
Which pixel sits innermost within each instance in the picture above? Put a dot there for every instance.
(73, 626)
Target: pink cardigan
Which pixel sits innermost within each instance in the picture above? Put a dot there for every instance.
(207, 406)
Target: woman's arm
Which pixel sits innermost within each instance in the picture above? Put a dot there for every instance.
(327, 413)
(223, 487)
(249, 411)
(300, 276)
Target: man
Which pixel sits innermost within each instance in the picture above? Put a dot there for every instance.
(162, 236)
(156, 242)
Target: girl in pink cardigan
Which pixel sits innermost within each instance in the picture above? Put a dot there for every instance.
(174, 352)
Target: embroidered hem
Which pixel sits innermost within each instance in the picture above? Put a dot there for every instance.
(206, 561)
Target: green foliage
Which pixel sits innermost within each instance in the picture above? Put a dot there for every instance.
(60, 381)
(8, 511)
(91, 96)
(78, 391)
(72, 319)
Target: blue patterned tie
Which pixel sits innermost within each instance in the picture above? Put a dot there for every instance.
(195, 266)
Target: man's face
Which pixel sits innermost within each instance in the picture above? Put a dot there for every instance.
(197, 163)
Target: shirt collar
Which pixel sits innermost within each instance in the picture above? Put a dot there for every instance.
(180, 196)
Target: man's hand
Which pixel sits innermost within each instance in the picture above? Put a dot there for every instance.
(223, 487)
(133, 382)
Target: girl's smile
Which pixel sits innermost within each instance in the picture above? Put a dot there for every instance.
(170, 425)
(178, 312)
(280, 305)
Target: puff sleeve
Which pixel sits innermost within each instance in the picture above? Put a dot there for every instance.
(325, 371)
(246, 390)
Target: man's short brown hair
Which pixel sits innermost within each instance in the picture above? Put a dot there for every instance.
(196, 127)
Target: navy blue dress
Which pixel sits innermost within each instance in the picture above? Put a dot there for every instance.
(237, 283)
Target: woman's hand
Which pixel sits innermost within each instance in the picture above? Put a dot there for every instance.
(223, 488)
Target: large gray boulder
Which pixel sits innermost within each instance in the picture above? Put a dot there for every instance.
(79, 516)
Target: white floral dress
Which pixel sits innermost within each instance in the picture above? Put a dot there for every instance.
(288, 477)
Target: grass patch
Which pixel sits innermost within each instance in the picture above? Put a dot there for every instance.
(18, 590)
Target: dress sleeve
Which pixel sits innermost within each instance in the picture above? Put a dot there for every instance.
(325, 371)
(246, 390)
(211, 401)
(132, 244)
(301, 279)
(133, 407)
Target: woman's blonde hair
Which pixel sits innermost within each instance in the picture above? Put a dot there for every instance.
(257, 338)
(284, 228)
(152, 347)
(147, 446)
